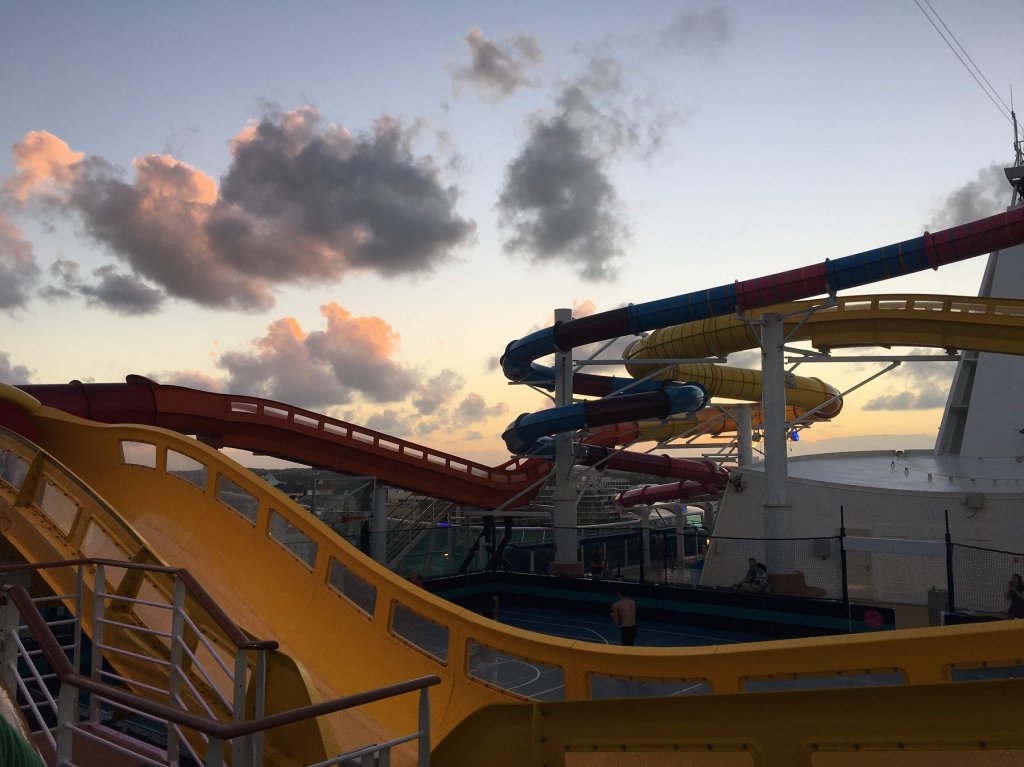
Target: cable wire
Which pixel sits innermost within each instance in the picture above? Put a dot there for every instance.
(989, 91)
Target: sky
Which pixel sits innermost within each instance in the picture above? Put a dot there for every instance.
(353, 207)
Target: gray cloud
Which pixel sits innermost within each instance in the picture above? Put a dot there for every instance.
(156, 225)
(348, 362)
(915, 386)
(19, 272)
(355, 361)
(121, 293)
(322, 368)
(437, 391)
(391, 422)
(498, 69)
(987, 195)
(426, 428)
(13, 374)
(704, 32)
(301, 201)
(280, 367)
(65, 274)
(557, 202)
(474, 408)
(908, 400)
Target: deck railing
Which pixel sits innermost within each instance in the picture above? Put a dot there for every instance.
(209, 703)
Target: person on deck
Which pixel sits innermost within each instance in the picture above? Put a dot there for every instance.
(750, 576)
(1015, 593)
(624, 616)
(760, 584)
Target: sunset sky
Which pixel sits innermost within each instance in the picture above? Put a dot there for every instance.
(353, 207)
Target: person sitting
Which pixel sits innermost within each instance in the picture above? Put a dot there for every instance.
(750, 576)
(760, 584)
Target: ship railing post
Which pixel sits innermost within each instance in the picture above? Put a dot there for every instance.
(424, 728)
(241, 747)
(177, 658)
(950, 601)
(844, 571)
(214, 753)
(79, 597)
(67, 708)
(259, 682)
(99, 587)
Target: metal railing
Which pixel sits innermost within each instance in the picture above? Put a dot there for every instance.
(410, 522)
(186, 674)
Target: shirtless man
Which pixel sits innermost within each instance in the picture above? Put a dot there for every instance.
(624, 616)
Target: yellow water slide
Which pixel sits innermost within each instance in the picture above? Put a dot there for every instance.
(346, 624)
(943, 322)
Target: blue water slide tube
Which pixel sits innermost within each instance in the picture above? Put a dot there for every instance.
(522, 435)
(929, 251)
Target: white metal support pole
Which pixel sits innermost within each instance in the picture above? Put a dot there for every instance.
(379, 525)
(774, 406)
(565, 489)
(744, 430)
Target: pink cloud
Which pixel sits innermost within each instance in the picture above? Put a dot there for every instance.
(42, 160)
(351, 357)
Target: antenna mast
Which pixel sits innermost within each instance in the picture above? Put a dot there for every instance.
(1015, 175)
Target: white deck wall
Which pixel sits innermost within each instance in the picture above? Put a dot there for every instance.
(914, 513)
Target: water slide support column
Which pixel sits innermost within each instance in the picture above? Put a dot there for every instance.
(774, 407)
(744, 429)
(680, 540)
(645, 543)
(565, 489)
(379, 526)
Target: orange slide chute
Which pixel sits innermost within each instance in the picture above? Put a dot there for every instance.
(712, 421)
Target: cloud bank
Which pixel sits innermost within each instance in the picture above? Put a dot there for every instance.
(350, 362)
(301, 202)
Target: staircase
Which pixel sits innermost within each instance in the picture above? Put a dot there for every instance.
(410, 521)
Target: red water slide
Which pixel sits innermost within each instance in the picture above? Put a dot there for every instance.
(266, 427)
(275, 429)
